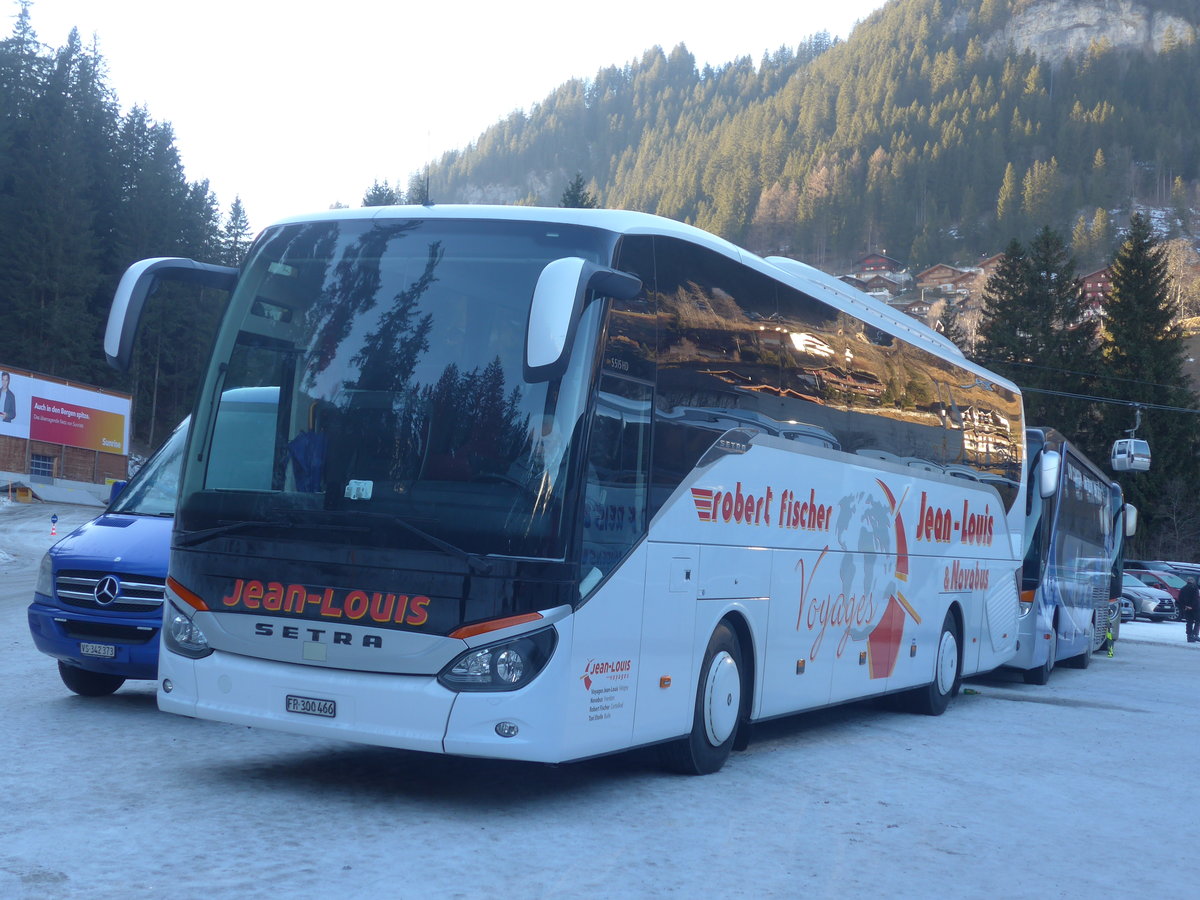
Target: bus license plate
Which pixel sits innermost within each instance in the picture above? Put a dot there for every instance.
(105, 651)
(311, 706)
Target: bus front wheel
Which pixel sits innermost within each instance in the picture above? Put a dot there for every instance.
(1041, 674)
(1084, 659)
(718, 709)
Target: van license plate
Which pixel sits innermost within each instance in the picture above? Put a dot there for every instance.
(105, 651)
(311, 706)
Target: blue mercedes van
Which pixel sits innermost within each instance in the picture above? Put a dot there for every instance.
(97, 606)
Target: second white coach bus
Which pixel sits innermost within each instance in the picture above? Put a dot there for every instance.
(1075, 533)
(551, 483)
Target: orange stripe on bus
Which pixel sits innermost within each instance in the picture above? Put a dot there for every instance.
(494, 625)
(191, 599)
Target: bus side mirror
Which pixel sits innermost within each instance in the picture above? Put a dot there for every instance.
(1049, 467)
(115, 491)
(138, 283)
(558, 301)
(1130, 520)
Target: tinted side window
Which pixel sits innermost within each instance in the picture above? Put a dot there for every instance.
(614, 514)
(872, 394)
(632, 325)
(718, 356)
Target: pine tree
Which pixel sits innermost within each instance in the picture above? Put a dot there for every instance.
(418, 189)
(380, 194)
(1036, 330)
(235, 236)
(1144, 355)
(1008, 201)
(1005, 334)
(949, 323)
(1071, 338)
(576, 196)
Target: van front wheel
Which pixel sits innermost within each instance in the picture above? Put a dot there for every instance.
(88, 684)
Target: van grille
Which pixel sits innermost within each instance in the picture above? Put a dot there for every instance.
(133, 593)
(109, 633)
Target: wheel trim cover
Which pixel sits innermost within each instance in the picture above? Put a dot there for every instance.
(722, 698)
(947, 662)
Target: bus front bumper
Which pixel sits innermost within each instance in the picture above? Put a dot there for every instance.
(410, 712)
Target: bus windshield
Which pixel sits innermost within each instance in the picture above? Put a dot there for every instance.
(403, 417)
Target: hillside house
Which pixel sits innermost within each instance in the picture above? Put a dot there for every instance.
(883, 286)
(918, 309)
(1097, 288)
(871, 263)
(940, 277)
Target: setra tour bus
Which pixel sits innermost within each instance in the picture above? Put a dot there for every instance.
(1076, 525)
(553, 483)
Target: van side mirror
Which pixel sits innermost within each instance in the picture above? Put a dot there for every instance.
(115, 491)
(1049, 468)
(558, 300)
(135, 287)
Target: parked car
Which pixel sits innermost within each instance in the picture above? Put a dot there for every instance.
(1161, 579)
(1127, 611)
(97, 606)
(1148, 602)
(1182, 569)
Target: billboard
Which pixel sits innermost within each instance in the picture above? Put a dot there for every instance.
(61, 413)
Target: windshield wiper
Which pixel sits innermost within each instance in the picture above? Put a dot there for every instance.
(473, 560)
(198, 537)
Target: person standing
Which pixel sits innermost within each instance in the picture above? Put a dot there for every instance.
(8, 403)
(1189, 607)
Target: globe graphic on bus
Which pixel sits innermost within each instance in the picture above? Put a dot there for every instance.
(866, 530)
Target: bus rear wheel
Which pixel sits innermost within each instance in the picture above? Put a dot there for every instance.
(88, 684)
(718, 709)
(933, 699)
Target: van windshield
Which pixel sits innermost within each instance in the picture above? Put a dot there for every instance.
(154, 490)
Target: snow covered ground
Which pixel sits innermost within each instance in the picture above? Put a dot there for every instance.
(1080, 787)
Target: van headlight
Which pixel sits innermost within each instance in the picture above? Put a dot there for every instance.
(45, 579)
(182, 635)
(502, 666)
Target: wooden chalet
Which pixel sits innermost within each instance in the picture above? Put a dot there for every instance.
(871, 263)
(1097, 286)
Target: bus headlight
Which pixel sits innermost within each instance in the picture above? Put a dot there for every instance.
(182, 635)
(503, 666)
(45, 579)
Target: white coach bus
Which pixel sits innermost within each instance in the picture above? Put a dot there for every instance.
(1075, 531)
(553, 483)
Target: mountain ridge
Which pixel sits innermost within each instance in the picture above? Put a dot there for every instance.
(910, 135)
(1057, 29)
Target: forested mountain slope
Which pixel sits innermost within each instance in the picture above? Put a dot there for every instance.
(936, 131)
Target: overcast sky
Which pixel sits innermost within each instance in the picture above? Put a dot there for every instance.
(295, 105)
